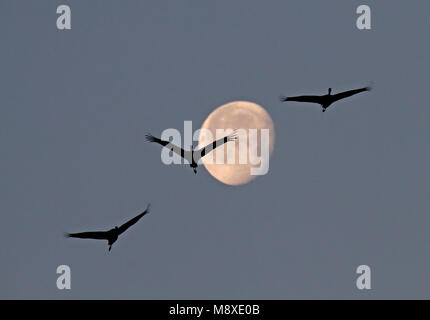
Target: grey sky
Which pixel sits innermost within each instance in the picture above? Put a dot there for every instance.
(345, 187)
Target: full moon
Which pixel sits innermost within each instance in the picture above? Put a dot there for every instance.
(236, 115)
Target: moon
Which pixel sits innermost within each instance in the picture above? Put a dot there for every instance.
(236, 115)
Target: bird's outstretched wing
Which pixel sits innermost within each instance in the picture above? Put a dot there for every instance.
(168, 145)
(129, 223)
(100, 235)
(349, 93)
(211, 146)
(311, 99)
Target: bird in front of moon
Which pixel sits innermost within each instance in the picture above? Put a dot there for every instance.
(192, 156)
(242, 116)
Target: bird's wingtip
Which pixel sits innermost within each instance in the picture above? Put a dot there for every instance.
(233, 135)
(283, 98)
(66, 235)
(149, 137)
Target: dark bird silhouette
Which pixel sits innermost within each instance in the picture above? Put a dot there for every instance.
(111, 235)
(326, 100)
(193, 156)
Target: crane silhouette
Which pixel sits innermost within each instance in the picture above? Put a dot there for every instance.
(192, 156)
(111, 235)
(326, 100)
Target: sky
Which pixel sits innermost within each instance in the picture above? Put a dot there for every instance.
(345, 188)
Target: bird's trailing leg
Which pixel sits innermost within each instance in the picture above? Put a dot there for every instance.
(110, 247)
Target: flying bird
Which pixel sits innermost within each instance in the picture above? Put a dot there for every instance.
(326, 100)
(111, 235)
(192, 156)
